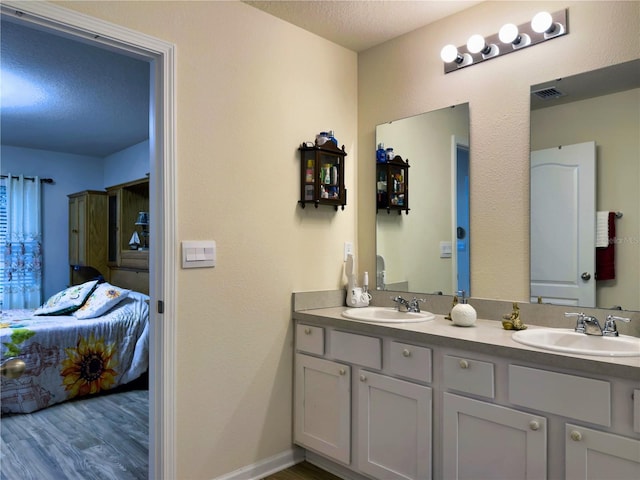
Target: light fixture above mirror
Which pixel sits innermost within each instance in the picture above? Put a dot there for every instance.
(544, 26)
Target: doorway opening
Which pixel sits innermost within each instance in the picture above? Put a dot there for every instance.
(160, 56)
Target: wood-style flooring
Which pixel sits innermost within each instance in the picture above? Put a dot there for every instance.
(100, 438)
(302, 471)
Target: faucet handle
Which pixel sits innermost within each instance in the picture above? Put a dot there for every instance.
(579, 322)
(414, 304)
(610, 328)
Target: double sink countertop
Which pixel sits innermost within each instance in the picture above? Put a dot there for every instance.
(486, 336)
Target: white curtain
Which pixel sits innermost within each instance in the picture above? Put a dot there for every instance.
(22, 248)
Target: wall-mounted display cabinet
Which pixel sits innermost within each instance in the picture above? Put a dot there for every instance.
(392, 185)
(322, 175)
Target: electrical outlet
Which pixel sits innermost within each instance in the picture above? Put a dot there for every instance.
(348, 250)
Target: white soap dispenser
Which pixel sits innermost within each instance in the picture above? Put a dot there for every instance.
(463, 314)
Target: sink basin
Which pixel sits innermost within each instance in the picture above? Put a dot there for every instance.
(386, 315)
(569, 341)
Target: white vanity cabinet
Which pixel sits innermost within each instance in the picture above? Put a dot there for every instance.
(322, 412)
(421, 406)
(595, 455)
(482, 440)
(348, 409)
(394, 427)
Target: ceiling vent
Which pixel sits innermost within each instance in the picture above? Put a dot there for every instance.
(548, 93)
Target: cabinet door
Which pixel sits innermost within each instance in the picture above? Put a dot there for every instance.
(322, 411)
(74, 231)
(486, 441)
(595, 455)
(394, 427)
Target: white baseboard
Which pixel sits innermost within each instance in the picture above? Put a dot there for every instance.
(268, 466)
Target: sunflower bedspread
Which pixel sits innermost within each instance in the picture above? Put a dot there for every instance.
(67, 357)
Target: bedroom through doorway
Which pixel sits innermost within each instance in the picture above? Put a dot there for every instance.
(159, 57)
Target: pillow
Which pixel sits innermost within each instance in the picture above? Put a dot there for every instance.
(103, 299)
(67, 301)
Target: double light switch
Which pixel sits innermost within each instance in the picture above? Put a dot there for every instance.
(197, 254)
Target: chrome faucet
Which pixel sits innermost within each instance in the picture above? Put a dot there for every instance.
(412, 305)
(401, 302)
(610, 328)
(586, 324)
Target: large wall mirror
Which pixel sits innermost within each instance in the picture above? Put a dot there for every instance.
(427, 250)
(585, 195)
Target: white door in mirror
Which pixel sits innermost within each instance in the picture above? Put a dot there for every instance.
(463, 315)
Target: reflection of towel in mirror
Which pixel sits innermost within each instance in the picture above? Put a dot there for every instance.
(602, 229)
(605, 255)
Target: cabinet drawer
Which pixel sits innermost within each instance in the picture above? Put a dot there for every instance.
(410, 361)
(468, 376)
(356, 349)
(568, 395)
(310, 339)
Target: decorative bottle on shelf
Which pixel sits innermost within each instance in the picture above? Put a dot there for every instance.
(381, 154)
(463, 314)
(390, 154)
(322, 138)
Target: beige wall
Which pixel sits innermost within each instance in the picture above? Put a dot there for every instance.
(405, 77)
(613, 122)
(250, 89)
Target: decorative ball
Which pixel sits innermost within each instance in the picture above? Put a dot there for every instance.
(463, 315)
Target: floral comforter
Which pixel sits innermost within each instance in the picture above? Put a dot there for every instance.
(67, 357)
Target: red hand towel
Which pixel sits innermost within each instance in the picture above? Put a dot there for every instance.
(606, 256)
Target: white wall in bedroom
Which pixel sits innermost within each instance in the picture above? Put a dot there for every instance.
(71, 173)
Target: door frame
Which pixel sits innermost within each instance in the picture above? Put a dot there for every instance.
(456, 143)
(162, 186)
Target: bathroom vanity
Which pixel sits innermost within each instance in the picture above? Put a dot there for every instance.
(432, 400)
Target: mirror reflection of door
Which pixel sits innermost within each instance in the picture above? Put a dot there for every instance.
(463, 267)
(563, 213)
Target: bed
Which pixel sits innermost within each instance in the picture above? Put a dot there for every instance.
(84, 340)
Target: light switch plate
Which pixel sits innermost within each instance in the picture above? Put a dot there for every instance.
(348, 249)
(445, 249)
(198, 254)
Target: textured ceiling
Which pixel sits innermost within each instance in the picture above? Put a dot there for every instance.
(62, 95)
(361, 24)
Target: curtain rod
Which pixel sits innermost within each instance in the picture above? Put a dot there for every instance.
(42, 180)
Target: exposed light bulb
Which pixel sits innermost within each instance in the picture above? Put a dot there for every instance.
(476, 43)
(508, 33)
(542, 22)
(449, 53)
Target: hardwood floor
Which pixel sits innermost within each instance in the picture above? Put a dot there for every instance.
(302, 471)
(100, 438)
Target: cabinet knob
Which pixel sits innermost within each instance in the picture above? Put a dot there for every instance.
(342, 371)
(406, 352)
(576, 436)
(363, 378)
(307, 331)
(464, 364)
(534, 425)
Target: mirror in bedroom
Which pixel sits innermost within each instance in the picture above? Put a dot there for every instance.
(427, 248)
(585, 201)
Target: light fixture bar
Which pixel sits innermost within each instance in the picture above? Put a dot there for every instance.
(543, 27)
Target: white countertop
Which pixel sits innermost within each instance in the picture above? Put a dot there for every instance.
(485, 336)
